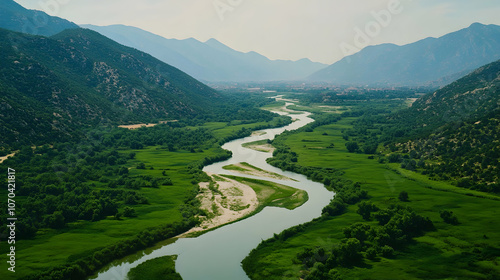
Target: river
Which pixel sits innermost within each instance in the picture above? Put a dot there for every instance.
(217, 255)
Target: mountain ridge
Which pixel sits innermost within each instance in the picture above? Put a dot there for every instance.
(211, 60)
(15, 17)
(420, 63)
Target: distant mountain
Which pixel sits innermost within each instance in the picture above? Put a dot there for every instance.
(17, 18)
(52, 86)
(209, 61)
(428, 61)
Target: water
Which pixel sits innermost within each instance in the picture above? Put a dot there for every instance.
(217, 255)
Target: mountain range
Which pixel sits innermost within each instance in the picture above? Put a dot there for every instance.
(17, 18)
(209, 61)
(429, 61)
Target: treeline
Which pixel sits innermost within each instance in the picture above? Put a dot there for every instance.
(349, 95)
(89, 262)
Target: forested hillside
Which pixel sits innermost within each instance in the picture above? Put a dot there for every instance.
(51, 86)
(452, 134)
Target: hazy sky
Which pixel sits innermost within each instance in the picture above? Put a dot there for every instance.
(321, 30)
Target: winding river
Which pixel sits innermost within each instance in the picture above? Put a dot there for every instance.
(217, 255)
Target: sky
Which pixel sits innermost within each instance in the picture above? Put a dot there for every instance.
(321, 30)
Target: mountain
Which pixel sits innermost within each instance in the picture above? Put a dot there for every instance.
(421, 63)
(17, 18)
(211, 60)
(471, 97)
(455, 131)
(51, 86)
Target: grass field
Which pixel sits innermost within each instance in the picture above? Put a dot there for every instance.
(155, 269)
(446, 253)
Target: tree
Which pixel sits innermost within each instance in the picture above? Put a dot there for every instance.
(360, 231)
(129, 212)
(352, 147)
(56, 220)
(365, 209)
(403, 196)
(141, 166)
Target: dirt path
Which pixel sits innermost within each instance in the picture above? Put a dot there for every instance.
(136, 126)
(2, 159)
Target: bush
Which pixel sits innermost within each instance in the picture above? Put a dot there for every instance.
(129, 212)
(387, 251)
(365, 209)
(403, 196)
(352, 147)
(448, 217)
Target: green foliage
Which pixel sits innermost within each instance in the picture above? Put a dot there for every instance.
(365, 208)
(155, 269)
(129, 212)
(352, 147)
(362, 240)
(458, 247)
(448, 217)
(403, 196)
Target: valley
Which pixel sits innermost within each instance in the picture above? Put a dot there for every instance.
(165, 141)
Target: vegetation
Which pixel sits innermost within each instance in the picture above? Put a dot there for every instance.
(53, 89)
(156, 269)
(274, 194)
(247, 168)
(319, 250)
(116, 185)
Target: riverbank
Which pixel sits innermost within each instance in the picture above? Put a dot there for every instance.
(248, 169)
(225, 201)
(228, 199)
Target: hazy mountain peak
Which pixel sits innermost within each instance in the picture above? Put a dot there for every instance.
(211, 60)
(419, 63)
(16, 18)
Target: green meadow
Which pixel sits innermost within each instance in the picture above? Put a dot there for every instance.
(155, 269)
(468, 250)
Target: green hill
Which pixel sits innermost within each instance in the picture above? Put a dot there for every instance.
(51, 86)
(453, 132)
